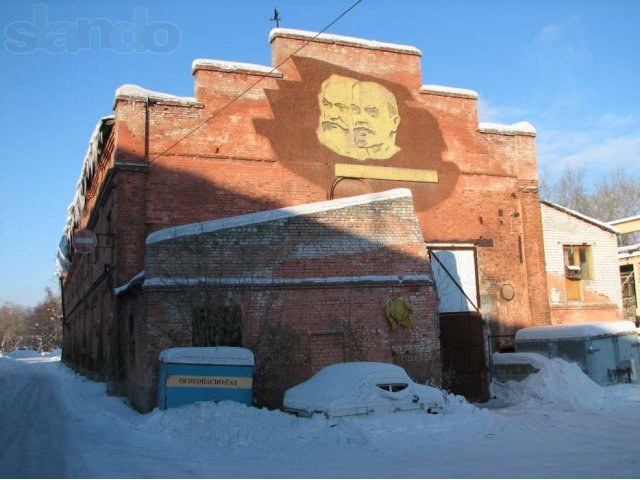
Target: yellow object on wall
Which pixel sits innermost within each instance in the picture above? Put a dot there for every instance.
(399, 313)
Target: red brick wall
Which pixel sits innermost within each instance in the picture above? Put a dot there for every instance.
(260, 153)
(328, 275)
(177, 161)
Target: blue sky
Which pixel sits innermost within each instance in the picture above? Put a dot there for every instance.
(571, 68)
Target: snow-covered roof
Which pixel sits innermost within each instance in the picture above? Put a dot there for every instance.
(624, 220)
(208, 356)
(449, 91)
(520, 358)
(273, 215)
(578, 330)
(597, 223)
(140, 93)
(236, 67)
(520, 128)
(629, 251)
(89, 165)
(340, 39)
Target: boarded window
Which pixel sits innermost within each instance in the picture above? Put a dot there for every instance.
(579, 256)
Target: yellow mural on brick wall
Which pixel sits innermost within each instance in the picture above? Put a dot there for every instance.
(358, 119)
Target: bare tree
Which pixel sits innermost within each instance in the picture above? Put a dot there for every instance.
(569, 190)
(39, 328)
(45, 322)
(617, 195)
(12, 318)
(612, 196)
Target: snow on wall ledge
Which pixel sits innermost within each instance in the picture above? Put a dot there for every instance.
(234, 67)
(342, 40)
(139, 93)
(449, 91)
(520, 128)
(275, 281)
(272, 215)
(89, 166)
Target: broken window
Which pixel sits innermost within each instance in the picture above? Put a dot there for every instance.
(579, 256)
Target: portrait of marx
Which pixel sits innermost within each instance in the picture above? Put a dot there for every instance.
(358, 119)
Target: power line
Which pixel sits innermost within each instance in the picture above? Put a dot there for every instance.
(245, 91)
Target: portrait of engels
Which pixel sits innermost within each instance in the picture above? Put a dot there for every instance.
(358, 119)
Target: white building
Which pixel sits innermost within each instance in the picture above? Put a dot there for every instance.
(583, 276)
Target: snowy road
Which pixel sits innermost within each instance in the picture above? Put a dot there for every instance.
(30, 412)
(55, 423)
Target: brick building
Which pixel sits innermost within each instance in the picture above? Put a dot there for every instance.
(338, 118)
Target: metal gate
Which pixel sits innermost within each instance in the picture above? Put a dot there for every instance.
(463, 365)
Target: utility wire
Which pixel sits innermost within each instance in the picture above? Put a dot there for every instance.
(245, 91)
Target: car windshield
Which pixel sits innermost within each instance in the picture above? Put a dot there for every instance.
(392, 387)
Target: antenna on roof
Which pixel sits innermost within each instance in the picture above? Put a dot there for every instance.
(276, 18)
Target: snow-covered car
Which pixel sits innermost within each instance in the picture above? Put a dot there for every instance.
(360, 388)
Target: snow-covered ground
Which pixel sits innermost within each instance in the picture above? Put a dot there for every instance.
(557, 423)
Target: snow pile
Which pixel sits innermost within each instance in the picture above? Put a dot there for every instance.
(22, 353)
(26, 353)
(456, 404)
(231, 424)
(557, 382)
(231, 440)
(234, 424)
(54, 354)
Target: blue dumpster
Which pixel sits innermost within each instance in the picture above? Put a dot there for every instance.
(200, 374)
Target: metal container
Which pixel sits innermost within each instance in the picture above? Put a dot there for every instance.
(608, 352)
(200, 374)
